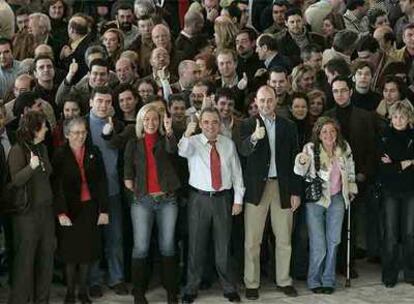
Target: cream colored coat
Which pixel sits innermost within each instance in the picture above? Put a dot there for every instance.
(346, 165)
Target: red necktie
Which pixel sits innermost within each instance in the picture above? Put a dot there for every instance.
(215, 166)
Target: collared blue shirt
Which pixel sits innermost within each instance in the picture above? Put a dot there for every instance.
(270, 125)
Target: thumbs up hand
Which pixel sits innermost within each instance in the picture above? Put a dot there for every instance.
(73, 69)
(167, 124)
(259, 132)
(34, 161)
(243, 82)
(108, 127)
(191, 127)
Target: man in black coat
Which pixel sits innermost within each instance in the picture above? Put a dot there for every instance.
(358, 127)
(269, 143)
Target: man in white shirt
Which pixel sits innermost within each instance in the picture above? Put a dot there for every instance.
(215, 171)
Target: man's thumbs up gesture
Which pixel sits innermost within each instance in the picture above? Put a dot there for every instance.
(259, 132)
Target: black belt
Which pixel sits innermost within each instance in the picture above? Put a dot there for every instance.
(272, 178)
(210, 193)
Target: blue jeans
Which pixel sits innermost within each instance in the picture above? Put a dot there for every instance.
(324, 227)
(144, 211)
(113, 247)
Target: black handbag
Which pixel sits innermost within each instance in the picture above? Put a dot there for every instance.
(313, 190)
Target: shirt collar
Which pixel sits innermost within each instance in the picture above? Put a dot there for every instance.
(205, 140)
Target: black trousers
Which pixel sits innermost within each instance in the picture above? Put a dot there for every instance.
(207, 213)
(398, 219)
(34, 245)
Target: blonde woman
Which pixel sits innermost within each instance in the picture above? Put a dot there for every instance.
(303, 78)
(225, 32)
(329, 157)
(149, 173)
(396, 173)
(113, 40)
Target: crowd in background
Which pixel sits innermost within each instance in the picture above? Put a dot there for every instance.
(212, 139)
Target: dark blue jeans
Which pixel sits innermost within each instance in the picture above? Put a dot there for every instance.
(398, 217)
(144, 211)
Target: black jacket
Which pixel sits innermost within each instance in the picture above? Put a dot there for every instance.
(135, 164)
(66, 180)
(258, 160)
(399, 146)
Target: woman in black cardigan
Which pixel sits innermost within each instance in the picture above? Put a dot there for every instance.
(397, 177)
(150, 174)
(81, 200)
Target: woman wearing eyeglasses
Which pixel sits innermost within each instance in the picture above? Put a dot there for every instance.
(81, 200)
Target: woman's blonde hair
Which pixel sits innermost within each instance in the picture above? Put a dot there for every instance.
(139, 127)
(297, 74)
(404, 108)
(226, 32)
(120, 36)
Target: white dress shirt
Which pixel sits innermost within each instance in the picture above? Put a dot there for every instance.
(197, 151)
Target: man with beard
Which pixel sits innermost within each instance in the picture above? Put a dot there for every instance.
(279, 9)
(248, 60)
(124, 20)
(201, 90)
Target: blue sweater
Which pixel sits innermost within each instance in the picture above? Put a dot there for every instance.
(109, 155)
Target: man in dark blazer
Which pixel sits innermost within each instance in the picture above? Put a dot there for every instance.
(358, 127)
(269, 143)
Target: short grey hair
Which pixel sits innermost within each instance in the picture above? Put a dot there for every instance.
(43, 19)
(69, 123)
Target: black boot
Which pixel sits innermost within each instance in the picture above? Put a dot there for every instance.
(139, 276)
(170, 278)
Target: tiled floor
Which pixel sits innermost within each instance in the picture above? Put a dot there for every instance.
(366, 289)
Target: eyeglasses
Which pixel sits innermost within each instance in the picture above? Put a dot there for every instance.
(340, 92)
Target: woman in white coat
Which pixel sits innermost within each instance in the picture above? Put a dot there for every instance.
(329, 157)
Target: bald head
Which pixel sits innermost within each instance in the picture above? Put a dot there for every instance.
(381, 33)
(266, 101)
(43, 49)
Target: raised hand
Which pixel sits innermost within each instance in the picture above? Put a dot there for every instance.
(242, 84)
(73, 69)
(167, 124)
(303, 158)
(108, 127)
(162, 74)
(259, 132)
(34, 161)
(191, 127)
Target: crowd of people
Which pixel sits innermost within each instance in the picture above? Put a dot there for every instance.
(210, 139)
